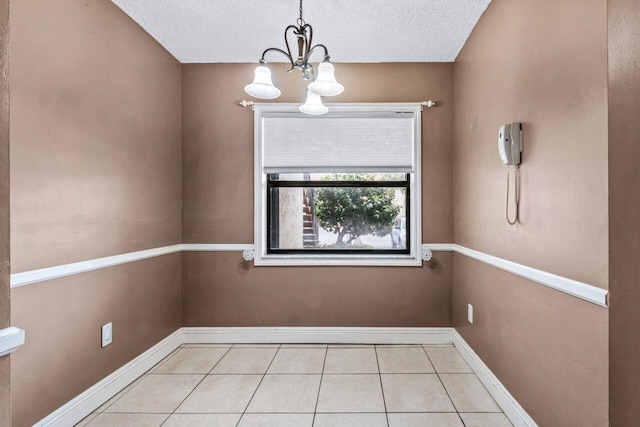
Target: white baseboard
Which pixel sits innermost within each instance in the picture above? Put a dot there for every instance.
(509, 405)
(82, 405)
(318, 335)
(91, 399)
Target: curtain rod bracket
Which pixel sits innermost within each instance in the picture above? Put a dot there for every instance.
(427, 104)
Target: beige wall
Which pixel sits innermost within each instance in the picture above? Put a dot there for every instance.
(95, 171)
(548, 348)
(62, 355)
(95, 133)
(5, 305)
(219, 289)
(624, 210)
(218, 208)
(543, 64)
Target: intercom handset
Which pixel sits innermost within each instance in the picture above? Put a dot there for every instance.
(510, 149)
(510, 143)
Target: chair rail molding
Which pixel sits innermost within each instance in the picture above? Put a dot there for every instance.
(50, 273)
(215, 247)
(10, 339)
(580, 290)
(572, 287)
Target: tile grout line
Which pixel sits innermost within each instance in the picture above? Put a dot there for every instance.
(256, 390)
(324, 362)
(384, 401)
(298, 412)
(463, 373)
(443, 386)
(123, 394)
(148, 372)
(279, 347)
(309, 374)
(164, 360)
(193, 389)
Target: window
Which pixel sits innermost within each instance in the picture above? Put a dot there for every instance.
(339, 189)
(334, 213)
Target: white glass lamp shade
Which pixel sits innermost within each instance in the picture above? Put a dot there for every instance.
(314, 106)
(262, 87)
(326, 84)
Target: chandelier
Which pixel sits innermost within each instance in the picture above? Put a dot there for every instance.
(323, 83)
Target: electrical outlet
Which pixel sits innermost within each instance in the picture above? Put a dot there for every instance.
(470, 313)
(107, 334)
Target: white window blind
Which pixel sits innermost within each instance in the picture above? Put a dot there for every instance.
(348, 142)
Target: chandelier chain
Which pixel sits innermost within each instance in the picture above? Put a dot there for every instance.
(300, 19)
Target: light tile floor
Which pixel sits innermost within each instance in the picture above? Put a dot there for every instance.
(305, 385)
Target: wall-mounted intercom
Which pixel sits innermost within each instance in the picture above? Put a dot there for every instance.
(510, 143)
(510, 150)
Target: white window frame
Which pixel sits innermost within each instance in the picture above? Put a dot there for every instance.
(316, 259)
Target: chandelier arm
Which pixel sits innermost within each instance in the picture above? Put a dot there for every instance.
(275, 49)
(286, 42)
(326, 52)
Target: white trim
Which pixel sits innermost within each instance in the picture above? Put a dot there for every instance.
(207, 247)
(318, 335)
(260, 186)
(10, 339)
(577, 289)
(509, 405)
(86, 402)
(439, 247)
(329, 260)
(572, 287)
(35, 276)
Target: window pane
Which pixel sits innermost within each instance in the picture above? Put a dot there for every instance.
(338, 218)
(338, 177)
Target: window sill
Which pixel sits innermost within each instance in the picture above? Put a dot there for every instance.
(333, 260)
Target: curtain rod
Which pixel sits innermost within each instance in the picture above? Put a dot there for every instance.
(428, 104)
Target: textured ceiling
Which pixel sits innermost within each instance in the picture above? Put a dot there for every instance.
(204, 31)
